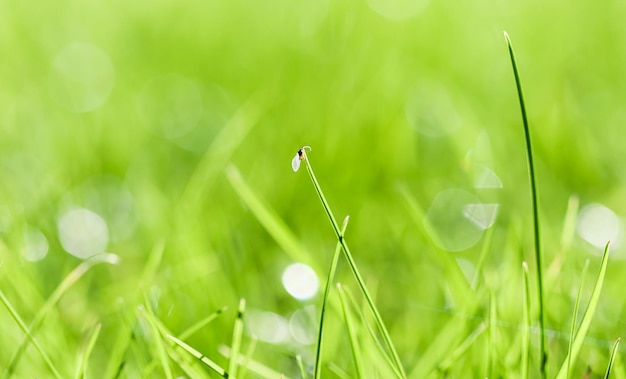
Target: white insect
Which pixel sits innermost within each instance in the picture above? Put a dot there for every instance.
(300, 156)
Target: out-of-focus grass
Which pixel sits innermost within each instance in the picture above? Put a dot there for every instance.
(133, 110)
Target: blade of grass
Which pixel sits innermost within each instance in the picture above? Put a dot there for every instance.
(354, 343)
(586, 320)
(22, 325)
(536, 229)
(256, 367)
(526, 322)
(82, 368)
(49, 305)
(202, 323)
(612, 359)
(201, 357)
(301, 366)
(354, 268)
(462, 348)
(236, 341)
(573, 330)
(329, 280)
(148, 313)
(245, 362)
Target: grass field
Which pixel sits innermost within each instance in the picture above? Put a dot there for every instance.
(146, 188)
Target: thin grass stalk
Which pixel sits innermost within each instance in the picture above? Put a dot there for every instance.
(575, 319)
(612, 359)
(201, 357)
(301, 366)
(200, 324)
(236, 341)
(354, 269)
(354, 344)
(533, 192)
(82, 369)
(246, 358)
(331, 275)
(526, 323)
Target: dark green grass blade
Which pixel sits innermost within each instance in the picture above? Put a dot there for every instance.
(236, 340)
(355, 271)
(575, 318)
(82, 369)
(612, 359)
(586, 320)
(58, 293)
(525, 323)
(329, 281)
(533, 192)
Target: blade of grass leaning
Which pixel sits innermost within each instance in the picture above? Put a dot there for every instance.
(52, 301)
(612, 358)
(236, 340)
(253, 366)
(535, 203)
(201, 357)
(575, 318)
(148, 313)
(329, 280)
(301, 366)
(526, 322)
(462, 348)
(82, 368)
(487, 240)
(22, 325)
(246, 360)
(354, 268)
(586, 320)
(116, 356)
(354, 342)
(202, 323)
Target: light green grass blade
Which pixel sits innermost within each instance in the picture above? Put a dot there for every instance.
(484, 252)
(247, 359)
(536, 229)
(201, 357)
(52, 301)
(575, 318)
(82, 368)
(236, 340)
(493, 319)
(301, 366)
(274, 225)
(462, 348)
(202, 323)
(158, 344)
(352, 336)
(525, 322)
(116, 357)
(586, 320)
(329, 281)
(22, 325)
(612, 359)
(253, 366)
(355, 271)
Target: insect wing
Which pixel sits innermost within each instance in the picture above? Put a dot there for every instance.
(295, 162)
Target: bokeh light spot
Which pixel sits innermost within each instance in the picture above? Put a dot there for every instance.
(81, 78)
(451, 227)
(482, 215)
(35, 245)
(82, 232)
(398, 9)
(268, 327)
(300, 281)
(303, 325)
(170, 105)
(598, 224)
(487, 178)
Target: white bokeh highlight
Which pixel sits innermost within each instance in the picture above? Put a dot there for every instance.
(268, 327)
(300, 281)
(597, 224)
(35, 245)
(82, 233)
(81, 77)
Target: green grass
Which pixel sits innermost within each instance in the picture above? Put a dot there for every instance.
(174, 123)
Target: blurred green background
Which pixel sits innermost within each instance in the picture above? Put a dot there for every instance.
(125, 126)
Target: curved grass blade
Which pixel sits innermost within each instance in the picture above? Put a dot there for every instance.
(355, 271)
(526, 323)
(82, 369)
(200, 324)
(236, 341)
(533, 192)
(573, 330)
(329, 280)
(301, 366)
(354, 343)
(29, 335)
(612, 359)
(586, 320)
